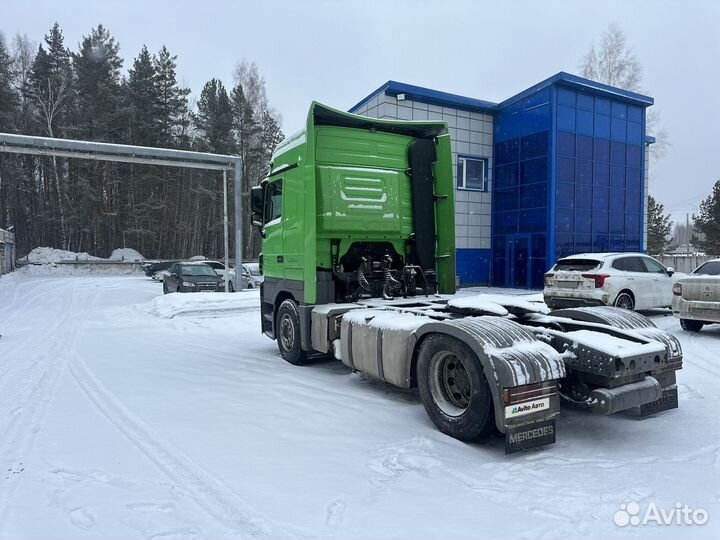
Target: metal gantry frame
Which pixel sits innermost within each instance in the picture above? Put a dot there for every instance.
(146, 155)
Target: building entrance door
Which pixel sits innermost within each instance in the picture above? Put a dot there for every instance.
(517, 261)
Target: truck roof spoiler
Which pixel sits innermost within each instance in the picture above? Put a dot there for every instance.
(323, 115)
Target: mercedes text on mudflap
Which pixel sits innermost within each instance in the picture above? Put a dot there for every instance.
(357, 219)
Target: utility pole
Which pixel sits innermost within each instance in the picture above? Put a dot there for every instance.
(225, 225)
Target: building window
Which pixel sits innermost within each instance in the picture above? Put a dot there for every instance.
(472, 173)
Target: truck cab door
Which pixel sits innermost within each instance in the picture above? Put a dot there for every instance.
(273, 243)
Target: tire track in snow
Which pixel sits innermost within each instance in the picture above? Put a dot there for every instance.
(32, 399)
(210, 494)
(698, 340)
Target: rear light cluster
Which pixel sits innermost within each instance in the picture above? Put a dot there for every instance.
(548, 279)
(526, 392)
(677, 289)
(599, 279)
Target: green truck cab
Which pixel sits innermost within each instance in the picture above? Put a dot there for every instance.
(355, 208)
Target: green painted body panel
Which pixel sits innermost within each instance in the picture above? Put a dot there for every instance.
(346, 179)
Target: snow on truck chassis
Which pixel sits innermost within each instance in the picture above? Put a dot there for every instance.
(357, 220)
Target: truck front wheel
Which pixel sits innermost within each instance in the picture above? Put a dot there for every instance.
(288, 333)
(453, 388)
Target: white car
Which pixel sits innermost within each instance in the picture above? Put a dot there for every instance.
(251, 277)
(218, 267)
(696, 297)
(625, 280)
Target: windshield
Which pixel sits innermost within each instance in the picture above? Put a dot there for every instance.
(197, 270)
(580, 265)
(711, 268)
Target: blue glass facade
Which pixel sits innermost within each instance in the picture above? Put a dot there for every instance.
(599, 183)
(569, 178)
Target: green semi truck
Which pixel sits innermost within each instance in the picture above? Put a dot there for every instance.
(358, 225)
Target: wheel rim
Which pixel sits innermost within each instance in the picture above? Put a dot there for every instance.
(450, 384)
(624, 301)
(287, 333)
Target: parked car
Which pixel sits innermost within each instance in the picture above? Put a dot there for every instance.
(696, 297)
(191, 277)
(250, 277)
(160, 276)
(625, 280)
(218, 267)
(152, 268)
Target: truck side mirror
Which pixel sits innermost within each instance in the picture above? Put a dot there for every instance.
(257, 203)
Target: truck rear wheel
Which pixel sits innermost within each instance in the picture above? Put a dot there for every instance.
(453, 388)
(287, 331)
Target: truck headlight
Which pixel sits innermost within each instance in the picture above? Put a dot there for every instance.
(188, 284)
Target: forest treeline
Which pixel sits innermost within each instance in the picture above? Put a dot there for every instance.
(83, 205)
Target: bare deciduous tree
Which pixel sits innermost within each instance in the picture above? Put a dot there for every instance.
(613, 62)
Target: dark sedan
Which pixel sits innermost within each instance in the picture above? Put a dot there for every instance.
(191, 277)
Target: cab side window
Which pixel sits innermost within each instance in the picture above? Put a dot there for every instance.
(620, 264)
(273, 201)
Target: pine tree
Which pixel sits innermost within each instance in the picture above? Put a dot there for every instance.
(143, 100)
(98, 84)
(214, 121)
(10, 195)
(99, 117)
(8, 95)
(659, 226)
(707, 223)
(51, 81)
(172, 103)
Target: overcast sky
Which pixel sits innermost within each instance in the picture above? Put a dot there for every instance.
(338, 52)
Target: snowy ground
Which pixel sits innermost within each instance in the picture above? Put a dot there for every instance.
(123, 417)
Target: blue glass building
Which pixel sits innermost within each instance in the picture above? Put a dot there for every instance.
(559, 168)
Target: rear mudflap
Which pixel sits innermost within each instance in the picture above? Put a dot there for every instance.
(530, 423)
(668, 400)
(530, 435)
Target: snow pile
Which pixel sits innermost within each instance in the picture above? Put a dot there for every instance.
(203, 304)
(47, 255)
(126, 254)
(52, 269)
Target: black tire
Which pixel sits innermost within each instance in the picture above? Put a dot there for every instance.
(250, 286)
(625, 300)
(178, 289)
(287, 333)
(691, 326)
(453, 388)
(165, 288)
